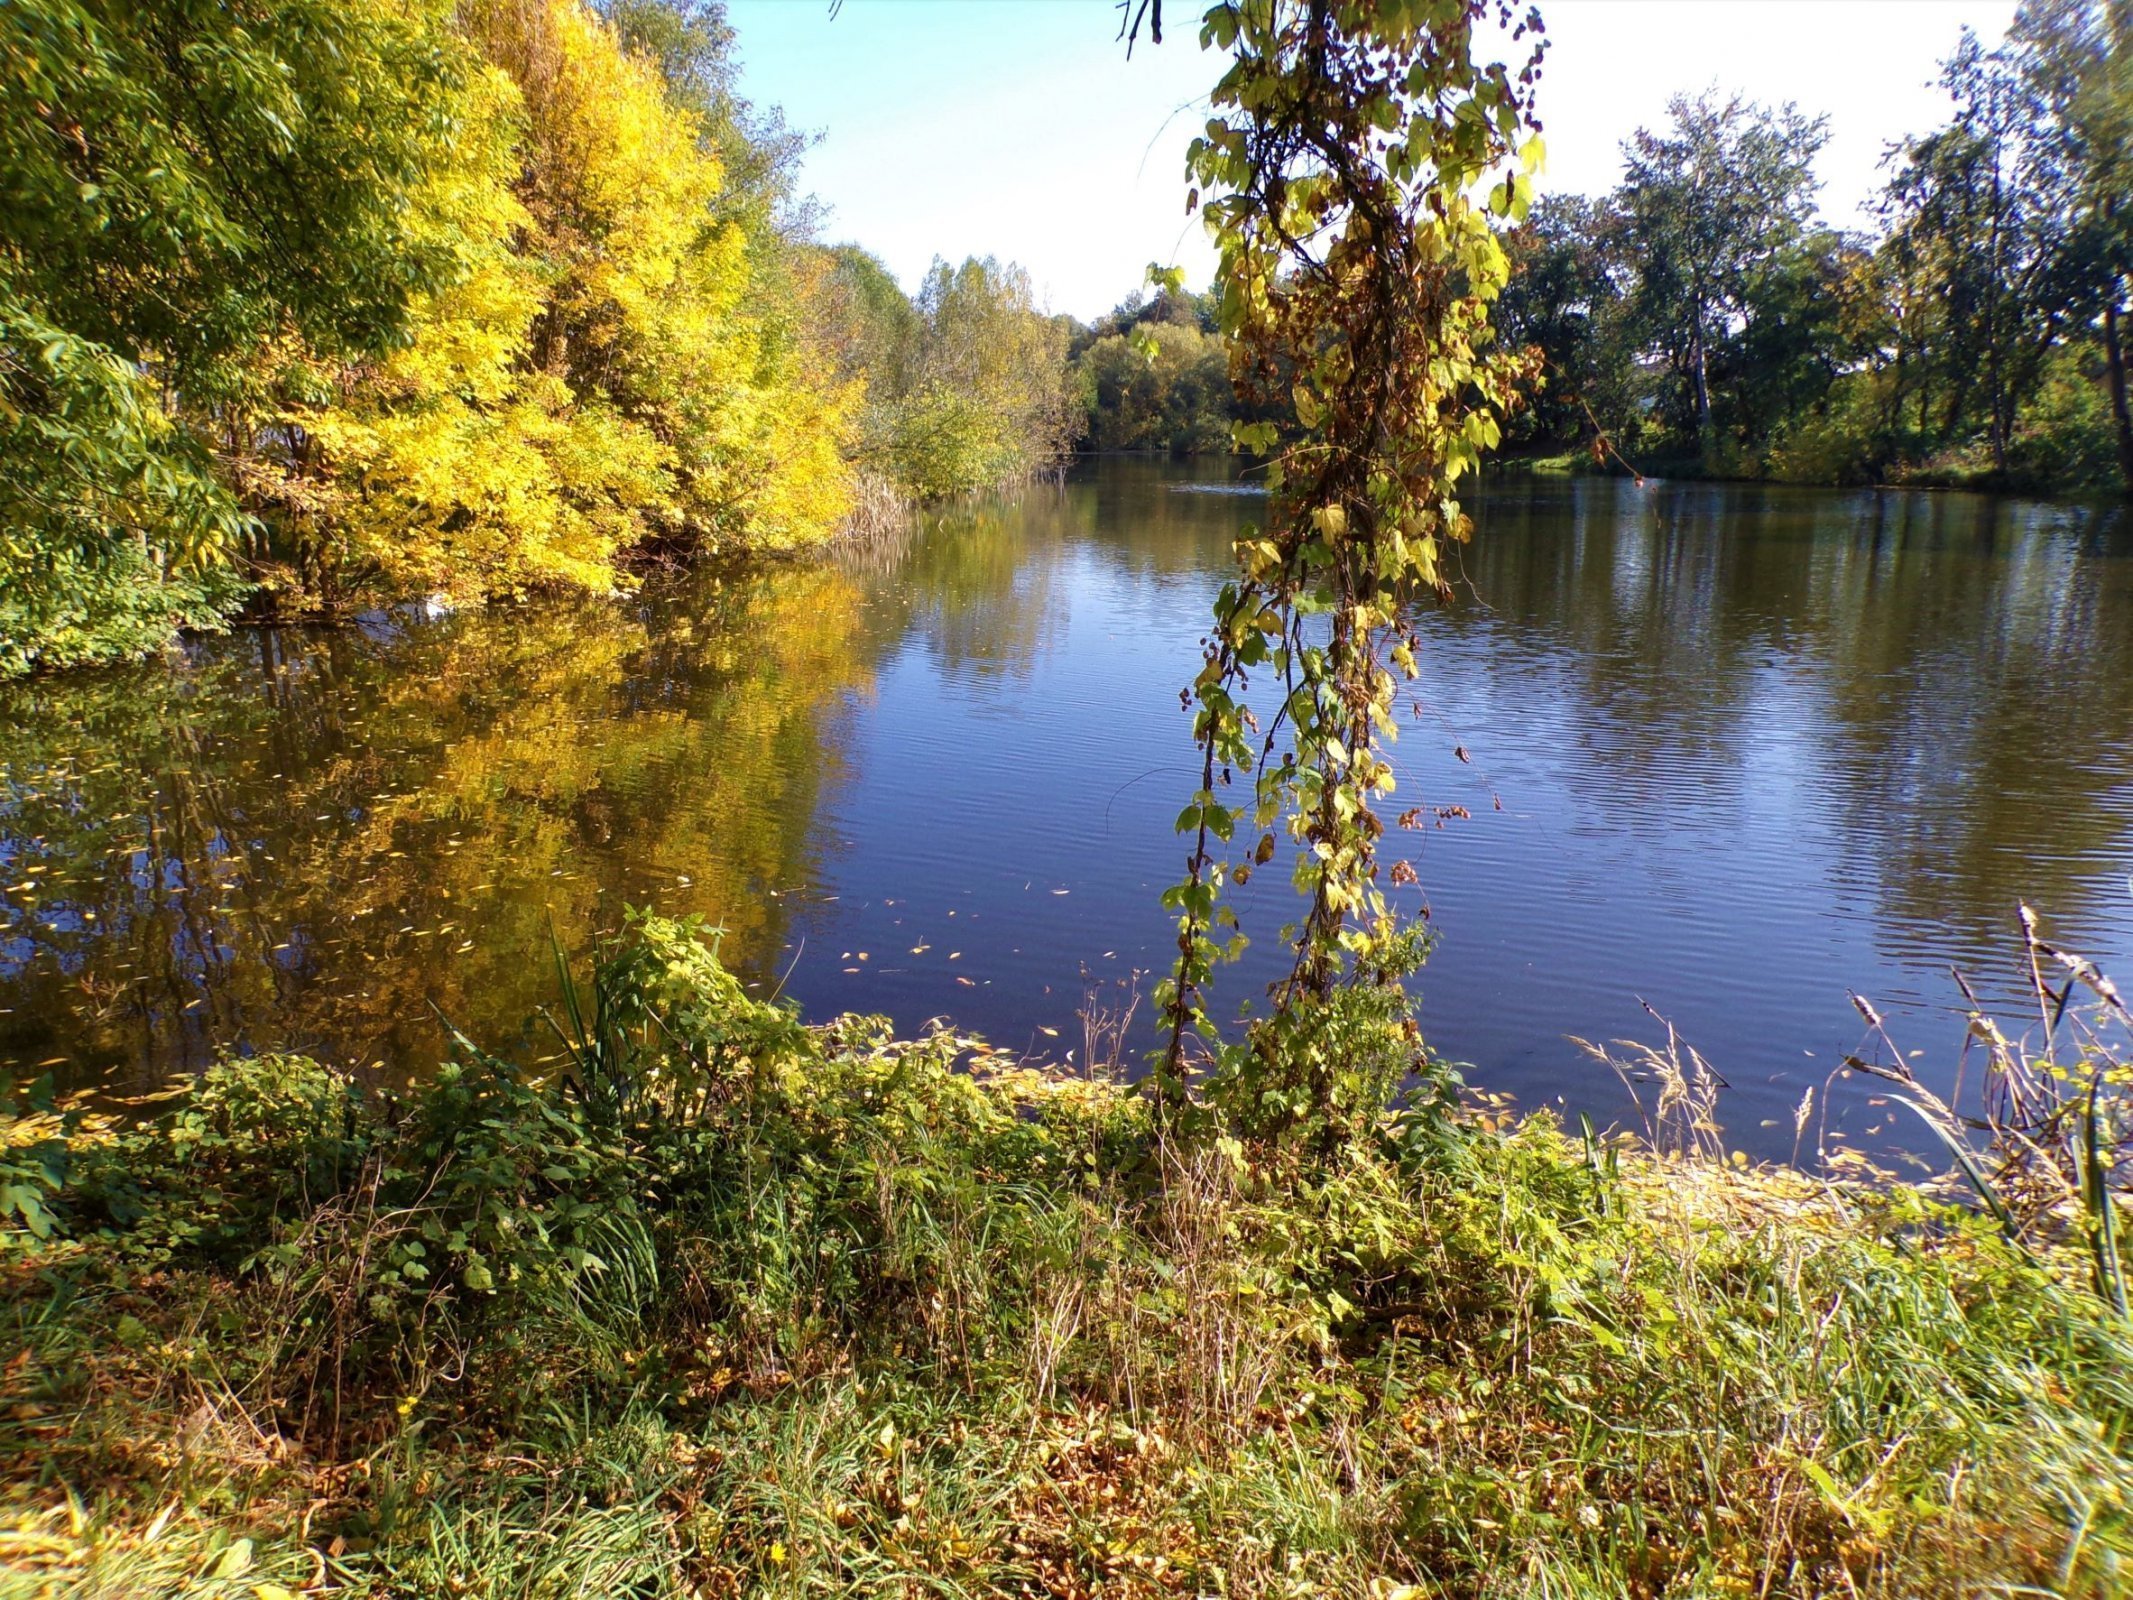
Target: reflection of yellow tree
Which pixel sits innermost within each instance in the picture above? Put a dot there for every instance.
(322, 853)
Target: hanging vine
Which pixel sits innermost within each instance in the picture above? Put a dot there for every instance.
(1353, 176)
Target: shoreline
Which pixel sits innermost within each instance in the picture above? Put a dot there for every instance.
(735, 1306)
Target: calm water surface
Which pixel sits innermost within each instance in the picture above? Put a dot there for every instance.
(1733, 751)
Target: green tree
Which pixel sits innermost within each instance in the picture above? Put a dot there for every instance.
(2076, 57)
(1564, 300)
(1164, 388)
(194, 192)
(965, 386)
(1716, 209)
(1987, 219)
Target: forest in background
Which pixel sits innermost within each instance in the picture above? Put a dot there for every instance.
(1705, 318)
(314, 303)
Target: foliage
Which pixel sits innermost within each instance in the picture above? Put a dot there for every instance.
(194, 193)
(1718, 207)
(617, 366)
(33, 1161)
(1154, 375)
(1564, 302)
(693, 44)
(985, 338)
(1344, 173)
(490, 298)
(1169, 392)
(110, 515)
(966, 385)
(1708, 321)
(734, 1306)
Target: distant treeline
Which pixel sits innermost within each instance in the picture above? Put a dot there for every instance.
(311, 301)
(1704, 318)
(1154, 375)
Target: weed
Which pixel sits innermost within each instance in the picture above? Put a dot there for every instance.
(732, 1306)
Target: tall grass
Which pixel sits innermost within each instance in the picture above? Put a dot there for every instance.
(734, 1306)
(2047, 1148)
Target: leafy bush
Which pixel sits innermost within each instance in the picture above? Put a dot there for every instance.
(1173, 393)
(250, 1146)
(965, 386)
(33, 1161)
(390, 296)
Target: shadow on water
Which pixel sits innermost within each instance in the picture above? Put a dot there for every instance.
(1733, 750)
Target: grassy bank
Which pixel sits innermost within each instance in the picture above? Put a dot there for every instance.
(739, 1306)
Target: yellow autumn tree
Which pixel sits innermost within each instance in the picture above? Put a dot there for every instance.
(613, 367)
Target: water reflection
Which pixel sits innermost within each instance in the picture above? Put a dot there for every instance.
(1733, 750)
(1939, 687)
(315, 838)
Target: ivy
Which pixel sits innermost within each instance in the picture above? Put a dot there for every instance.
(1353, 176)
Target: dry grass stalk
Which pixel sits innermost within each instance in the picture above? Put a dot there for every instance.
(1683, 1122)
(1107, 1026)
(880, 518)
(2051, 1144)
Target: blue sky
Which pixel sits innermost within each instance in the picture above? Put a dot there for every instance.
(1018, 128)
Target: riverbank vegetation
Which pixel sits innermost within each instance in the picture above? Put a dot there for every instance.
(1704, 317)
(709, 1302)
(1154, 375)
(329, 306)
(733, 1306)
(322, 304)
(964, 387)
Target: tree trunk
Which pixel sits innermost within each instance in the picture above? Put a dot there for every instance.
(1699, 372)
(2114, 352)
(1993, 331)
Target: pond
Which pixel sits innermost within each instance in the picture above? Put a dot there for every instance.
(1731, 751)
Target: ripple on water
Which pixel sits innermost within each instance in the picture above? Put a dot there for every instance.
(1734, 752)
